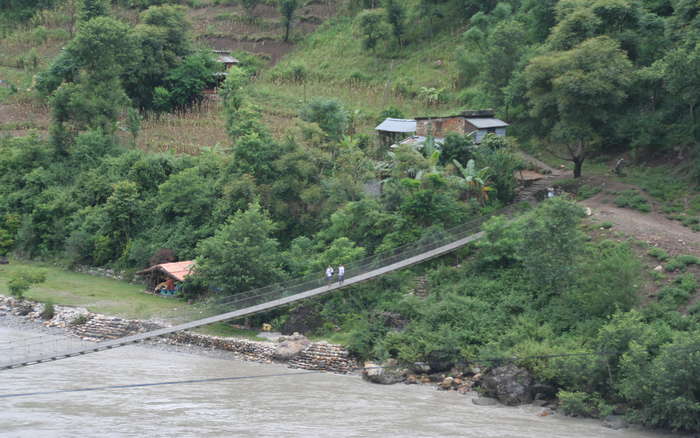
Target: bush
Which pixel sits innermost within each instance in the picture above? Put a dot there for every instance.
(658, 253)
(586, 191)
(582, 404)
(680, 262)
(20, 281)
(49, 311)
(633, 199)
(79, 320)
(663, 392)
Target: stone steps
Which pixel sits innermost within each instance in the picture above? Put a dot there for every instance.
(421, 287)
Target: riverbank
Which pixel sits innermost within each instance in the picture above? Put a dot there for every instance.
(75, 322)
(296, 351)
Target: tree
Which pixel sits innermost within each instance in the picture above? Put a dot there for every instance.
(396, 17)
(457, 147)
(20, 281)
(552, 243)
(133, 123)
(122, 211)
(249, 6)
(504, 48)
(242, 255)
(288, 8)
(187, 81)
(682, 79)
(90, 9)
(329, 114)
(576, 94)
(162, 40)
(372, 28)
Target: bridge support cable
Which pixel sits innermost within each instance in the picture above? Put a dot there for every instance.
(264, 299)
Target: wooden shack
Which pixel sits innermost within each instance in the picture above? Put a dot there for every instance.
(166, 274)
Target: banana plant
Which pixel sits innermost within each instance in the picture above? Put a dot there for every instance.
(475, 182)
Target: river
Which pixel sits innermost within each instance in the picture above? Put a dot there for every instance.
(267, 401)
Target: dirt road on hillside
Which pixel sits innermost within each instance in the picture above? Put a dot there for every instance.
(653, 228)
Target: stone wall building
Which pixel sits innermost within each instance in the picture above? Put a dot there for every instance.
(479, 123)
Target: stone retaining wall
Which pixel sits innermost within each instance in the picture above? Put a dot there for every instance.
(249, 350)
(325, 357)
(95, 327)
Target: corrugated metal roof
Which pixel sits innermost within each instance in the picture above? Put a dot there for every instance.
(397, 125)
(485, 123)
(178, 270)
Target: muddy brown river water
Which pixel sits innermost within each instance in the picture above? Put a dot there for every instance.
(267, 401)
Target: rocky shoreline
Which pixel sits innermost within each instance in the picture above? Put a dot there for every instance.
(507, 385)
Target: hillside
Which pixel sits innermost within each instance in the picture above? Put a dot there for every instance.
(114, 153)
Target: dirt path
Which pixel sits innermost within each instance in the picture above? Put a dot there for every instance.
(653, 228)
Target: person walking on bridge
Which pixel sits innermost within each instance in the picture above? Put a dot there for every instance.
(329, 275)
(341, 274)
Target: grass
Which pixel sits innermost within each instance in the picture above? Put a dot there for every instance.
(110, 297)
(658, 253)
(679, 198)
(97, 294)
(634, 200)
(681, 262)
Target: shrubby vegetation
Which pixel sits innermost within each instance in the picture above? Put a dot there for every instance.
(576, 77)
(535, 287)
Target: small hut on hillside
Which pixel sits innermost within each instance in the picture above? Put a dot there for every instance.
(392, 130)
(475, 122)
(163, 278)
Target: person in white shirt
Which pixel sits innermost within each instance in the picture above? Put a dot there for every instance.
(329, 274)
(341, 274)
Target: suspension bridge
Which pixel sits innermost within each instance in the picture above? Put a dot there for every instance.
(44, 349)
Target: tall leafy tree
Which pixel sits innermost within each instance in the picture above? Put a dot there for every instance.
(576, 95)
(372, 27)
(396, 17)
(242, 255)
(288, 8)
(681, 78)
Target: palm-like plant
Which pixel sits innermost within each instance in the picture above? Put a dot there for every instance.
(475, 182)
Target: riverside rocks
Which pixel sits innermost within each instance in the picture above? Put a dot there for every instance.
(290, 347)
(384, 374)
(509, 384)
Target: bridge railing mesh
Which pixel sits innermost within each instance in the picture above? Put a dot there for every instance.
(221, 305)
(352, 270)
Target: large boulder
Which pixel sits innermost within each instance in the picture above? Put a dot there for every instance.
(290, 347)
(384, 374)
(509, 384)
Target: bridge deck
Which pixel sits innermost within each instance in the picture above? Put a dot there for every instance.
(436, 252)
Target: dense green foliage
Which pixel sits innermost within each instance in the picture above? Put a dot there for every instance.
(577, 78)
(535, 287)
